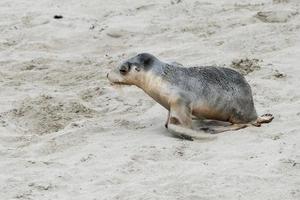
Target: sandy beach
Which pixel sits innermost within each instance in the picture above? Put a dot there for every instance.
(66, 133)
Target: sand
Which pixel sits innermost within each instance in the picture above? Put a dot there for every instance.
(66, 133)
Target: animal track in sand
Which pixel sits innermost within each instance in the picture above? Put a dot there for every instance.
(45, 114)
(91, 93)
(129, 124)
(280, 1)
(246, 65)
(281, 16)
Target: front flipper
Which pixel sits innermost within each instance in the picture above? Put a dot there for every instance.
(188, 134)
(180, 122)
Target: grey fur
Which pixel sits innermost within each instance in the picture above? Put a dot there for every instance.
(219, 87)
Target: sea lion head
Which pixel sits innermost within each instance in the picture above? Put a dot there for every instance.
(133, 70)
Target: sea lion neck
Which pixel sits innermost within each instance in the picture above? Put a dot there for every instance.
(149, 77)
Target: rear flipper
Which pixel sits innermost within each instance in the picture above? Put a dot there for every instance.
(233, 127)
(265, 118)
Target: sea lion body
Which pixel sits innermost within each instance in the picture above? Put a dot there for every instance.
(211, 92)
(205, 92)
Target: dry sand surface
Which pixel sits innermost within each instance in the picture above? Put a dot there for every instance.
(65, 133)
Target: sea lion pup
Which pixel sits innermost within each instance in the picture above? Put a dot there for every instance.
(216, 93)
